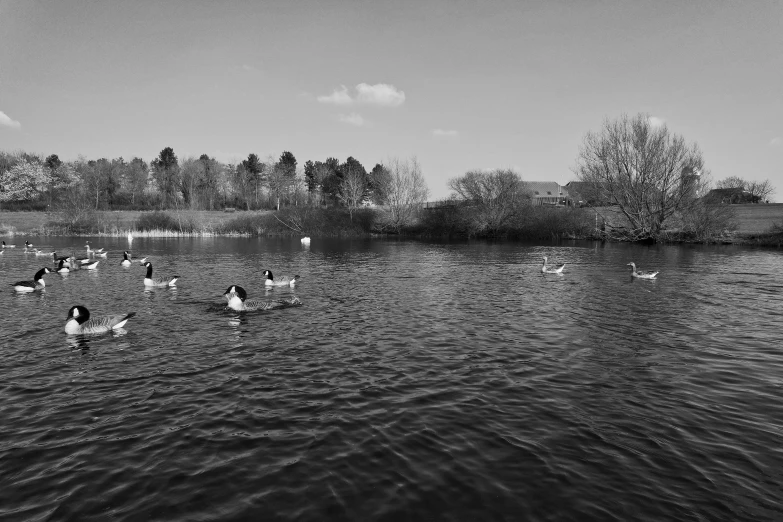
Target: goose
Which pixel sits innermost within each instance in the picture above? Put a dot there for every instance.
(127, 260)
(27, 244)
(305, 240)
(283, 281)
(158, 281)
(61, 268)
(40, 253)
(36, 284)
(79, 322)
(57, 258)
(98, 253)
(8, 246)
(237, 300)
(557, 269)
(91, 251)
(641, 274)
(90, 266)
(142, 260)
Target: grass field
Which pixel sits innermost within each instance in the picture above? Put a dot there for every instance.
(121, 221)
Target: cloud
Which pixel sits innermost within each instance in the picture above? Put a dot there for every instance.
(379, 94)
(777, 141)
(6, 121)
(338, 97)
(249, 68)
(352, 119)
(445, 133)
(656, 121)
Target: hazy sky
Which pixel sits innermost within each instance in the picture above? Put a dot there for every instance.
(459, 84)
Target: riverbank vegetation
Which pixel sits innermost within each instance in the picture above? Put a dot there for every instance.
(639, 182)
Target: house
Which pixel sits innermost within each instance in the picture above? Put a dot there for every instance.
(548, 193)
(731, 195)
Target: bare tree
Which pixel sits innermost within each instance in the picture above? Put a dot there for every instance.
(649, 173)
(353, 189)
(493, 198)
(405, 191)
(731, 182)
(760, 190)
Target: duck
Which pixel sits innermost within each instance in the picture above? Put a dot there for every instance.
(127, 260)
(61, 268)
(283, 281)
(79, 322)
(90, 266)
(557, 269)
(641, 274)
(158, 281)
(8, 246)
(36, 284)
(237, 300)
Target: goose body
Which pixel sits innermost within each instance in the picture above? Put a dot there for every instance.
(641, 274)
(158, 281)
(8, 246)
(39, 253)
(557, 269)
(80, 322)
(27, 244)
(283, 281)
(126, 261)
(90, 266)
(61, 268)
(237, 300)
(91, 251)
(36, 284)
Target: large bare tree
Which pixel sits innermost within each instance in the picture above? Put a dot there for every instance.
(492, 198)
(404, 190)
(648, 172)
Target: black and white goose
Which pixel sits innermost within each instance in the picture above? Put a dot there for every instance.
(79, 322)
(283, 281)
(237, 300)
(557, 269)
(36, 284)
(61, 268)
(641, 274)
(27, 244)
(8, 246)
(127, 260)
(158, 281)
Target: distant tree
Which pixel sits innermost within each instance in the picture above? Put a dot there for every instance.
(643, 169)
(310, 179)
(52, 163)
(330, 178)
(380, 177)
(136, 178)
(760, 190)
(281, 178)
(731, 182)
(208, 180)
(166, 172)
(23, 181)
(254, 168)
(405, 191)
(353, 190)
(494, 198)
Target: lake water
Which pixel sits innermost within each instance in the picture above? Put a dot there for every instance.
(418, 381)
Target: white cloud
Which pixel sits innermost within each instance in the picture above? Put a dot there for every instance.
(6, 121)
(777, 141)
(338, 97)
(352, 119)
(656, 121)
(442, 132)
(379, 94)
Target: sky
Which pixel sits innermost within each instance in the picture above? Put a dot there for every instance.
(459, 84)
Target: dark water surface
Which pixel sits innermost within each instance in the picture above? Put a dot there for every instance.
(418, 381)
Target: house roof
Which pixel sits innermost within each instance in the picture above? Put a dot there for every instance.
(543, 189)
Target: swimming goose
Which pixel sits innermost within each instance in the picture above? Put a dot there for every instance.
(27, 244)
(8, 246)
(158, 281)
(57, 258)
(90, 266)
(127, 260)
(640, 273)
(283, 281)
(61, 268)
(237, 300)
(91, 251)
(39, 253)
(557, 269)
(79, 322)
(97, 253)
(36, 284)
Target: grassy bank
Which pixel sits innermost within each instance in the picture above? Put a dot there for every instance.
(294, 221)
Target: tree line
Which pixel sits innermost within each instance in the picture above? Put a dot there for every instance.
(30, 181)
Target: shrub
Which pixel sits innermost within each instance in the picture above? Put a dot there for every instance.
(305, 220)
(159, 220)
